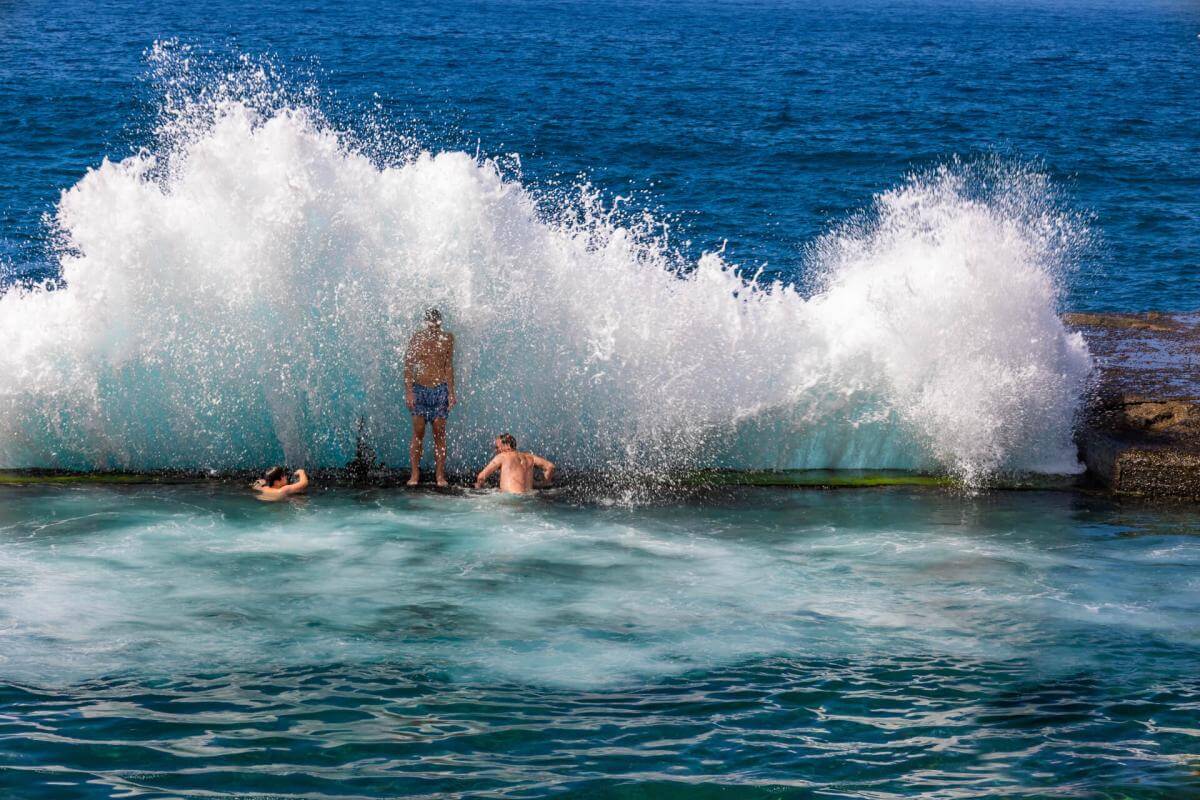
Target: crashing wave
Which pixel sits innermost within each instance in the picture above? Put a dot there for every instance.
(239, 294)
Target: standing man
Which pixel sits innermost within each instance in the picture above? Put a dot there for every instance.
(429, 391)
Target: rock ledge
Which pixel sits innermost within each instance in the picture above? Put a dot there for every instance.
(1140, 435)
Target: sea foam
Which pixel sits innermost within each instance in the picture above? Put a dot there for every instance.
(241, 292)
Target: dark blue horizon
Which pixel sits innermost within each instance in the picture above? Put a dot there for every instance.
(756, 126)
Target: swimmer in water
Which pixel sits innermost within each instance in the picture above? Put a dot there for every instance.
(516, 468)
(275, 486)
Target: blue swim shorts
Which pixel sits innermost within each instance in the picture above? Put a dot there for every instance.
(432, 402)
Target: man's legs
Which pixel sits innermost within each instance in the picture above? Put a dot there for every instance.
(439, 451)
(416, 447)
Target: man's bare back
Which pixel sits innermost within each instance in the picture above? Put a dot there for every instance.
(516, 468)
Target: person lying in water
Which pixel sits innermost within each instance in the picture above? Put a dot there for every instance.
(275, 485)
(516, 468)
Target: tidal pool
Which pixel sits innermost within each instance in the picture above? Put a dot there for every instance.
(190, 641)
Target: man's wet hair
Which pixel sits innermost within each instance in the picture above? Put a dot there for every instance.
(508, 440)
(433, 315)
(274, 474)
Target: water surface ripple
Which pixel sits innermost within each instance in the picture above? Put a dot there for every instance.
(190, 642)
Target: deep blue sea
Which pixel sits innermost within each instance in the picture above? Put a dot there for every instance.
(753, 125)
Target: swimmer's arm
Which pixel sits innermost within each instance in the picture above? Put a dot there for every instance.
(546, 466)
(492, 466)
(299, 486)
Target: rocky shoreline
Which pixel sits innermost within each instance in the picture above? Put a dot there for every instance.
(1140, 431)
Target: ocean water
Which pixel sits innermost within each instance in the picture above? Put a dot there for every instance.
(749, 235)
(668, 237)
(755, 125)
(190, 641)
(878, 210)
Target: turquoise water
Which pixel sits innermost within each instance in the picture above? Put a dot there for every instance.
(189, 641)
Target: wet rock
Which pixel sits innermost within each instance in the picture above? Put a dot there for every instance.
(1140, 434)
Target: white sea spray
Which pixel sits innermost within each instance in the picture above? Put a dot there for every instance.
(240, 294)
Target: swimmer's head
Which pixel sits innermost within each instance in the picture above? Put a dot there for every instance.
(275, 475)
(433, 316)
(505, 441)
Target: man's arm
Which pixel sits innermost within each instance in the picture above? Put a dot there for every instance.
(492, 466)
(410, 399)
(299, 486)
(451, 398)
(546, 466)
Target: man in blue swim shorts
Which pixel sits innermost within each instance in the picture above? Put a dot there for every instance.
(429, 392)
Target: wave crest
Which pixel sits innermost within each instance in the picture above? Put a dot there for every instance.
(240, 296)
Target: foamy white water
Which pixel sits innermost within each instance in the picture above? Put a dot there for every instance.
(97, 581)
(241, 296)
